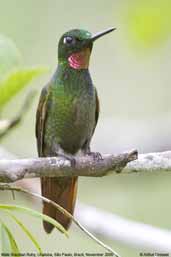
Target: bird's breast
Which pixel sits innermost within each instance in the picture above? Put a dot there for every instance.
(71, 118)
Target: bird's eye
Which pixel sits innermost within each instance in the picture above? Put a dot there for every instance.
(68, 40)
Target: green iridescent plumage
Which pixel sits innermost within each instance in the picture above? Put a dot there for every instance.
(67, 116)
(71, 92)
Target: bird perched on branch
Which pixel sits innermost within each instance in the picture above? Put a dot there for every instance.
(66, 118)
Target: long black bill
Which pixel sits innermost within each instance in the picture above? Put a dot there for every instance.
(102, 33)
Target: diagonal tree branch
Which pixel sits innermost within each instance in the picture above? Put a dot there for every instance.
(13, 170)
(7, 125)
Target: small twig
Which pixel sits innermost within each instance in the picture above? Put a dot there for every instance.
(62, 210)
(7, 125)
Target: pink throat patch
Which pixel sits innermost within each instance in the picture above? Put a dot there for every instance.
(79, 60)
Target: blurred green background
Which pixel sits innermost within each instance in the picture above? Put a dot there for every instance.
(131, 70)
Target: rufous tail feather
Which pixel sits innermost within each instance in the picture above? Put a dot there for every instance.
(62, 191)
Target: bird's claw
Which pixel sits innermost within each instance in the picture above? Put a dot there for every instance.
(96, 156)
(69, 158)
(73, 162)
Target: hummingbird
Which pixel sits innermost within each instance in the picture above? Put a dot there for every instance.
(66, 118)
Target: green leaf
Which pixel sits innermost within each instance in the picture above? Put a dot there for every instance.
(4, 240)
(27, 232)
(34, 214)
(13, 245)
(16, 81)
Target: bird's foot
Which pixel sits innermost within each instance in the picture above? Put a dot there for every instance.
(72, 161)
(96, 156)
(69, 158)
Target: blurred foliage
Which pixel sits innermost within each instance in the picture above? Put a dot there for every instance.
(16, 78)
(35, 214)
(149, 22)
(16, 81)
(25, 230)
(10, 244)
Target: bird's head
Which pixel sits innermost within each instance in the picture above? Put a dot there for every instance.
(75, 47)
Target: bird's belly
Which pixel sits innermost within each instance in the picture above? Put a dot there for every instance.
(71, 124)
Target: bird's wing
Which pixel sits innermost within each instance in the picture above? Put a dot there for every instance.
(41, 116)
(96, 111)
(60, 190)
(86, 146)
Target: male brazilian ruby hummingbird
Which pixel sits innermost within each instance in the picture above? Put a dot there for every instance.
(66, 118)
